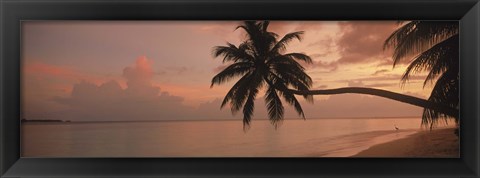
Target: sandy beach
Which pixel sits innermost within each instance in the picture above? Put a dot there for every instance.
(439, 143)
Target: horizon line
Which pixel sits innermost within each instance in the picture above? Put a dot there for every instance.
(186, 120)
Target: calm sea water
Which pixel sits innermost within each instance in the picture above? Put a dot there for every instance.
(295, 138)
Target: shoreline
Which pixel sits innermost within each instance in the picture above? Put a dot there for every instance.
(359, 142)
(438, 143)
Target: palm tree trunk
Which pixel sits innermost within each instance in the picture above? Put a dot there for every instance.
(453, 112)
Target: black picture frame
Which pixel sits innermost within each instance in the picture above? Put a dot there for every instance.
(12, 12)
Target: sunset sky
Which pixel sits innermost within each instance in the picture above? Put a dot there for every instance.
(149, 70)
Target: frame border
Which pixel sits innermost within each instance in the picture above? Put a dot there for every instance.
(13, 11)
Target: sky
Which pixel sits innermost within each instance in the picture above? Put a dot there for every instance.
(162, 70)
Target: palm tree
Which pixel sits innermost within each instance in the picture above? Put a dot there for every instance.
(260, 62)
(435, 47)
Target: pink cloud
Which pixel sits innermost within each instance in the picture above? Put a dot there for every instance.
(326, 67)
(363, 41)
(280, 27)
(310, 25)
(139, 78)
(46, 71)
(142, 71)
(284, 27)
(387, 77)
(140, 100)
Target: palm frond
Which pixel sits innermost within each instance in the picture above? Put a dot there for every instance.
(248, 108)
(417, 36)
(274, 106)
(229, 96)
(232, 71)
(232, 53)
(250, 27)
(398, 35)
(446, 91)
(264, 25)
(281, 45)
(446, 55)
(300, 56)
(240, 94)
(260, 39)
(290, 98)
(290, 67)
(290, 76)
(436, 60)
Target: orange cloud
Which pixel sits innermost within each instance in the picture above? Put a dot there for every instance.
(38, 69)
(140, 100)
(194, 94)
(142, 69)
(47, 69)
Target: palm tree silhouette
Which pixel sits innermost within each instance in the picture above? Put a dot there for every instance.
(260, 61)
(435, 47)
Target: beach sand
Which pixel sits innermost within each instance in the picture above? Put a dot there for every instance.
(438, 143)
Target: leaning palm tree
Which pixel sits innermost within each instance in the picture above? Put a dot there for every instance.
(260, 61)
(434, 47)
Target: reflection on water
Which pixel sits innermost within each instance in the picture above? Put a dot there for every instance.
(295, 138)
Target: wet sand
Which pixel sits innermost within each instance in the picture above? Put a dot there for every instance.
(438, 143)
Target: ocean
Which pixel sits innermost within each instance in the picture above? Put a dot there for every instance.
(226, 138)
